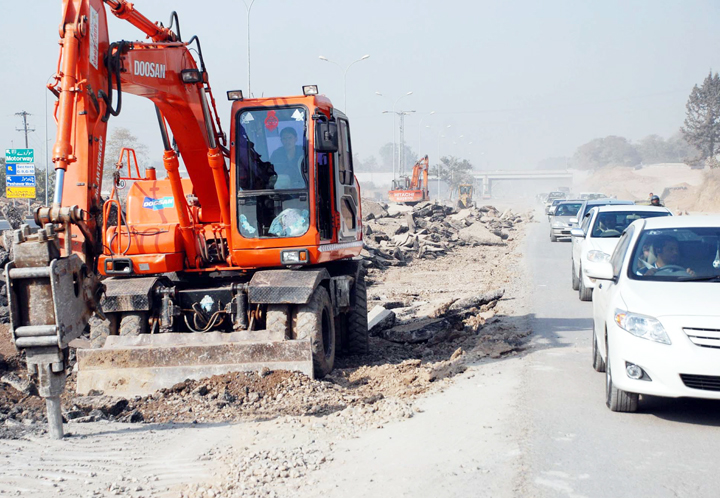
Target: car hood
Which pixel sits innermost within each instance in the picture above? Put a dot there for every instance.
(660, 299)
(564, 219)
(599, 244)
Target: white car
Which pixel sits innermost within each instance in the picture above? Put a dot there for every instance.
(656, 319)
(597, 237)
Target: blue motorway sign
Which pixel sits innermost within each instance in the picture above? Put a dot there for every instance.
(19, 169)
(20, 180)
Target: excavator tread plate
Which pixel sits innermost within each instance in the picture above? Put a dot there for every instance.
(138, 370)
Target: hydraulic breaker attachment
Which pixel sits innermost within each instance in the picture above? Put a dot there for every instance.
(139, 365)
(51, 299)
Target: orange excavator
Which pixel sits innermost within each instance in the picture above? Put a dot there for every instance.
(246, 263)
(412, 190)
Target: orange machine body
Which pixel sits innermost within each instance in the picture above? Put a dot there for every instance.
(176, 224)
(412, 190)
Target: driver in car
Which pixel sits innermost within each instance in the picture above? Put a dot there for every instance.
(667, 252)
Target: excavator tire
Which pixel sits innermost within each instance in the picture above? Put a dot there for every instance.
(100, 329)
(315, 320)
(277, 319)
(133, 323)
(357, 322)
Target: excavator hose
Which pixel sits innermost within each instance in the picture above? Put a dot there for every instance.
(114, 67)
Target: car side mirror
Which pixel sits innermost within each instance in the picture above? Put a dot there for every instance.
(326, 136)
(573, 220)
(577, 232)
(601, 271)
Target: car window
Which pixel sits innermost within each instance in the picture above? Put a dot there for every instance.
(677, 254)
(586, 222)
(567, 209)
(617, 257)
(611, 224)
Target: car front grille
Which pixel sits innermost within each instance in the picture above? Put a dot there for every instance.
(707, 338)
(702, 382)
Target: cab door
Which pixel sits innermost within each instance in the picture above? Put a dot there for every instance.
(347, 200)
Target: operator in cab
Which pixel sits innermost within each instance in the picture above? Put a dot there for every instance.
(287, 160)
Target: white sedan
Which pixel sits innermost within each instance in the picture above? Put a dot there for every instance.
(597, 237)
(656, 319)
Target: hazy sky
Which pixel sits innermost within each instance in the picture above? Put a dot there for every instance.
(521, 80)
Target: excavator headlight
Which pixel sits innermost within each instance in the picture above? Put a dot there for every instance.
(310, 90)
(191, 76)
(294, 257)
(234, 95)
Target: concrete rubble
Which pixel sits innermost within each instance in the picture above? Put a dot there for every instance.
(398, 234)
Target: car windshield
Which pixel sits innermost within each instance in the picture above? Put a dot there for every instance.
(677, 254)
(272, 172)
(568, 209)
(612, 224)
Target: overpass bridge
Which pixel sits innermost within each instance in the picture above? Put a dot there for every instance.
(486, 178)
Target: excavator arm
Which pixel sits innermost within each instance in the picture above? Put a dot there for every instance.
(53, 284)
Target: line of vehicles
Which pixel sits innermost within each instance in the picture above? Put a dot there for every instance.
(653, 281)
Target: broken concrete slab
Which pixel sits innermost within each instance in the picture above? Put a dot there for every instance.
(380, 319)
(479, 234)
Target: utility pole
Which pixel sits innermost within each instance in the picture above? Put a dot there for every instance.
(25, 127)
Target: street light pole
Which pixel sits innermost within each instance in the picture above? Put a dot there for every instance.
(420, 130)
(393, 113)
(248, 7)
(345, 71)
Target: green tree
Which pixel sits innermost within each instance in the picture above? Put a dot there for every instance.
(702, 119)
(454, 171)
(601, 152)
(387, 158)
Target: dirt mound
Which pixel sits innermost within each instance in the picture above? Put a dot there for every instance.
(701, 198)
(635, 184)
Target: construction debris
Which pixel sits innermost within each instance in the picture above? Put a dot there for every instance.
(429, 231)
(423, 329)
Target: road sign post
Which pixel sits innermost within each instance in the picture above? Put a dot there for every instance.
(20, 174)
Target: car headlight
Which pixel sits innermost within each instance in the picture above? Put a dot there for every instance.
(642, 326)
(598, 256)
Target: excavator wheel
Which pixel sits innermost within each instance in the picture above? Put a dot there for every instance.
(315, 320)
(277, 319)
(100, 329)
(133, 323)
(357, 323)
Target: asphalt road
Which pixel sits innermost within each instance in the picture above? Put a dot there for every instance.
(573, 444)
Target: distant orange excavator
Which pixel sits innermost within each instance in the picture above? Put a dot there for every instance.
(411, 191)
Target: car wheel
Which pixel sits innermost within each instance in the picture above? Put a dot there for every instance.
(584, 293)
(575, 281)
(616, 399)
(598, 362)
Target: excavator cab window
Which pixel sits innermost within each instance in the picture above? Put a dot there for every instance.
(272, 175)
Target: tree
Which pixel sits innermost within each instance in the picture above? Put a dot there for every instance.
(655, 149)
(454, 171)
(119, 138)
(702, 120)
(369, 165)
(601, 152)
(387, 158)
